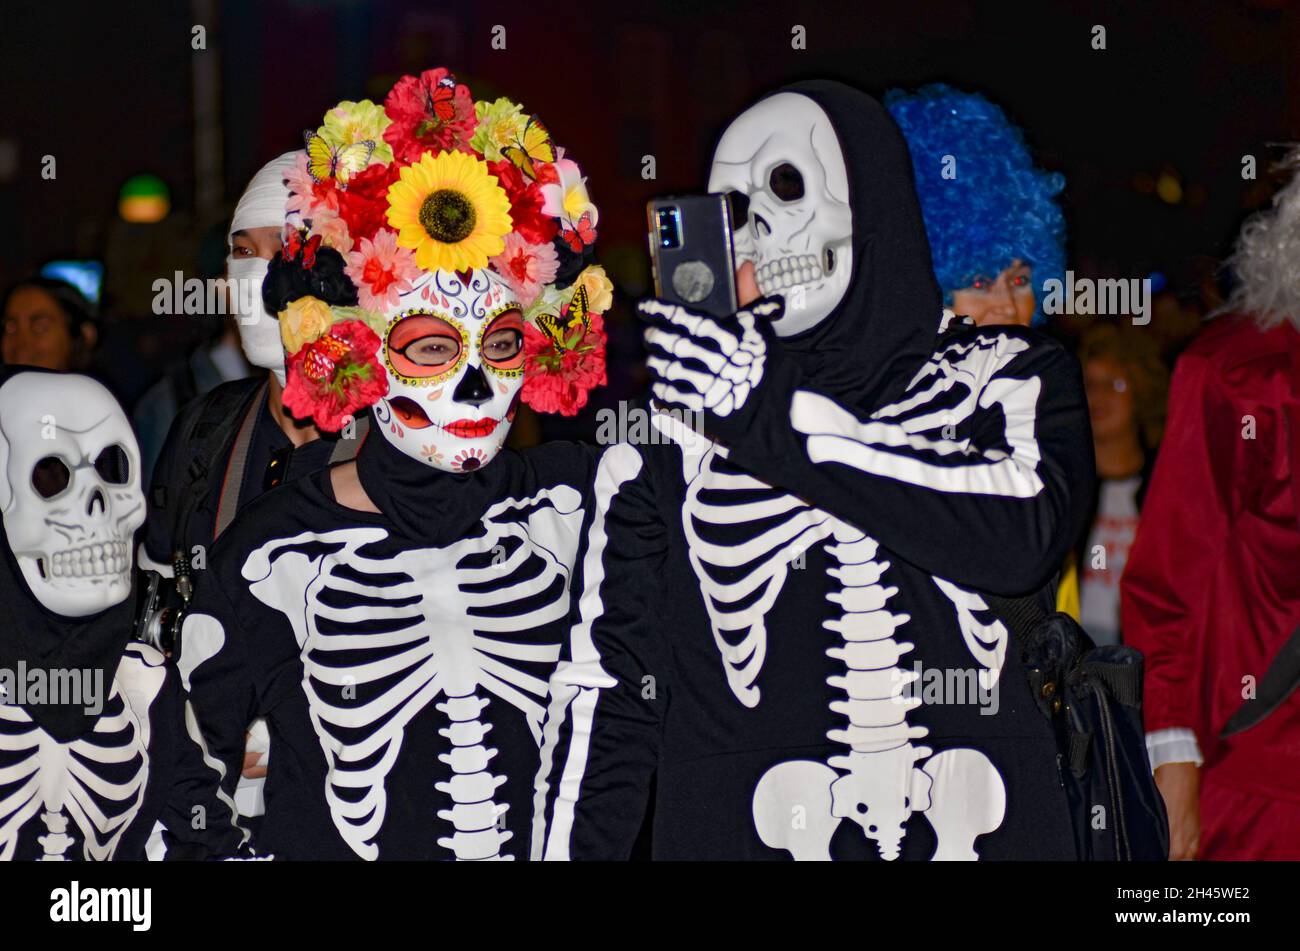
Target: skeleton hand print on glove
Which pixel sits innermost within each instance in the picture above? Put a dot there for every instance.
(730, 350)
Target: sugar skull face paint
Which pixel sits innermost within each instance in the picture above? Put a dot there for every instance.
(453, 349)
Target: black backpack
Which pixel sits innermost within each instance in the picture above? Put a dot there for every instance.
(1092, 696)
(211, 429)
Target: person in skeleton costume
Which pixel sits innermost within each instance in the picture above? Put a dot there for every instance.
(784, 624)
(396, 618)
(97, 741)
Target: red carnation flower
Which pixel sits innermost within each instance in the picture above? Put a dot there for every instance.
(365, 203)
(334, 377)
(558, 380)
(430, 112)
(526, 201)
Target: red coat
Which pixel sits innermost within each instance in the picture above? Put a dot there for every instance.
(1212, 587)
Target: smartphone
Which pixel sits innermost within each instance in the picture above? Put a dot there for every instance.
(692, 254)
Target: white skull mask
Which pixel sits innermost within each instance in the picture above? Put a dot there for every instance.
(70, 496)
(784, 155)
(454, 354)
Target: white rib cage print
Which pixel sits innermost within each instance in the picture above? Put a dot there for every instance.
(96, 782)
(382, 638)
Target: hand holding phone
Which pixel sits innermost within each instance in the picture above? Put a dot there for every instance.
(746, 284)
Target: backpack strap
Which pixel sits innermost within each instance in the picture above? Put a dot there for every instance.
(1021, 615)
(210, 434)
(233, 481)
(1024, 618)
(1278, 683)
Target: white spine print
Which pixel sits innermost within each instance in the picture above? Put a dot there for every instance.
(883, 777)
(56, 839)
(475, 814)
(881, 787)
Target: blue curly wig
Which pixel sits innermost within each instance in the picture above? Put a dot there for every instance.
(996, 207)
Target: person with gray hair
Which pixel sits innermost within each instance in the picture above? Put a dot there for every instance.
(1211, 594)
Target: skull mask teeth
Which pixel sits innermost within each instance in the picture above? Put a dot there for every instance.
(71, 493)
(784, 156)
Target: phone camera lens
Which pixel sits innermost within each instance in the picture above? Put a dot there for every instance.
(668, 226)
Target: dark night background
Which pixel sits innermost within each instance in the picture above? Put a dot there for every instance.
(1183, 89)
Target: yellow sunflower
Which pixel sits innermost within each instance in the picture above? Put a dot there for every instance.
(450, 210)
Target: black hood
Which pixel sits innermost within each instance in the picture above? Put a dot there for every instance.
(428, 505)
(41, 639)
(869, 347)
(435, 507)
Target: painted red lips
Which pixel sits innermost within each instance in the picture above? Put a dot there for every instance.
(471, 428)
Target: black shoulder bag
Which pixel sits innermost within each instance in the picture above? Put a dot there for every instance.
(1092, 696)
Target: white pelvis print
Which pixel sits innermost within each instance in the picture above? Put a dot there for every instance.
(97, 781)
(69, 490)
(448, 630)
(784, 155)
(882, 777)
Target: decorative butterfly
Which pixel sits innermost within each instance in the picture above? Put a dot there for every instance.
(326, 162)
(441, 102)
(534, 145)
(579, 234)
(293, 245)
(561, 330)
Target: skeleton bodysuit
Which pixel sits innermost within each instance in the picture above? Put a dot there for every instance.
(401, 659)
(97, 740)
(784, 627)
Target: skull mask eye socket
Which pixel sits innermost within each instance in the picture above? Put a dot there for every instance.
(785, 182)
(50, 477)
(113, 465)
(739, 205)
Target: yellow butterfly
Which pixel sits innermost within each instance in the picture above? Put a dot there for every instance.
(533, 146)
(578, 319)
(326, 162)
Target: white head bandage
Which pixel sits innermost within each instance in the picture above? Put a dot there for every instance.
(261, 206)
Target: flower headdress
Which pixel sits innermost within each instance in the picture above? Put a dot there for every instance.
(436, 181)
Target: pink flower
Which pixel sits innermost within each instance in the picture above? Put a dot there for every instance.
(306, 196)
(526, 267)
(467, 460)
(381, 270)
(332, 229)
